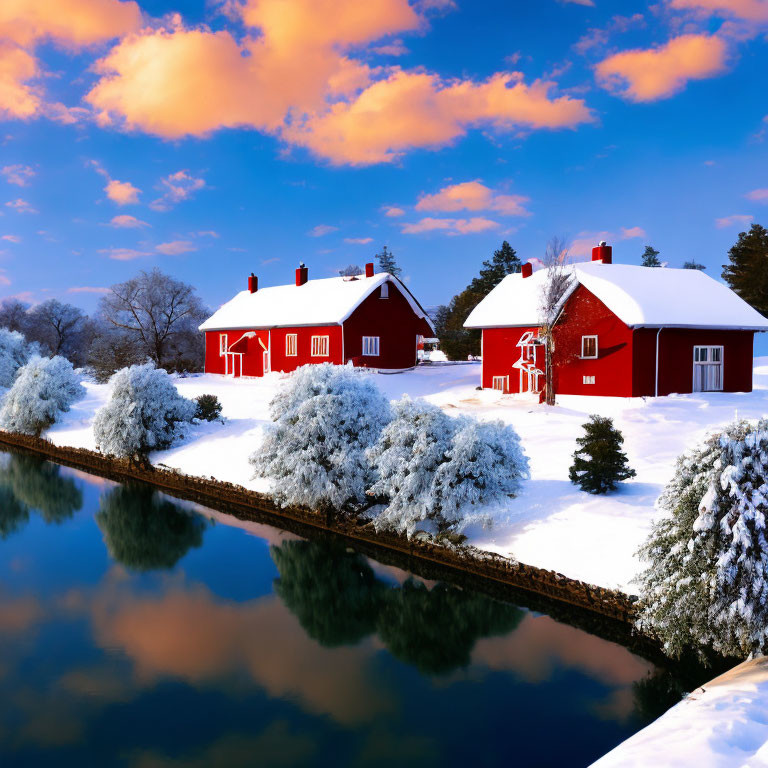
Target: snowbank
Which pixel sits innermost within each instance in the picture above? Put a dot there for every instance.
(551, 524)
(720, 725)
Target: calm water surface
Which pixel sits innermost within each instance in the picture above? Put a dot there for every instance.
(137, 630)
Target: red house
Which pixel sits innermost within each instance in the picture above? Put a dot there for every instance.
(372, 320)
(622, 330)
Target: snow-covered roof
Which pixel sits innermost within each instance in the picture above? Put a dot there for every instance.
(639, 296)
(328, 301)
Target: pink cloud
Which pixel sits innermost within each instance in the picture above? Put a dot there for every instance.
(736, 220)
(18, 99)
(358, 240)
(449, 226)
(127, 222)
(758, 195)
(321, 229)
(122, 192)
(628, 233)
(176, 247)
(473, 196)
(393, 211)
(20, 206)
(748, 10)
(87, 289)
(11, 238)
(658, 73)
(176, 187)
(583, 244)
(4, 279)
(123, 254)
(18, 174)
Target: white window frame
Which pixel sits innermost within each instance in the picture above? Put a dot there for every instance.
(320, 346)
(223, 344)
(384, 291)
(589, 357)
(708, 362)
(587, 379)
(371, 346)
(504, 388)
(291, 343)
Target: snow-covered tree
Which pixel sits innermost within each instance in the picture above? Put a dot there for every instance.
(145, 413)
(325, 418)
(485, 465)
(15, 351)
(707, 582)
(44, 388)
(434, 468)
(407, 455)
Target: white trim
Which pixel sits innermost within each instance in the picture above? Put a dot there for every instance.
(709, 363)
(295, 339)
(323, 343)
(223, 344)
(589, 357)
(504, 389)
(372, 343)
(384, 294)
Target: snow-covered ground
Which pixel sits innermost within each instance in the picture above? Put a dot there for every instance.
(723, 724)
(551, 524)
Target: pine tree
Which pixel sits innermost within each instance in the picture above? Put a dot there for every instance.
(599, 463)
(351, 271)
(747, 273)
(650, 257)
(387, 262)
(503, 263)
(693, 265)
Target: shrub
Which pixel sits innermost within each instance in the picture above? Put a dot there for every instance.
(325, 417)
(144, 413)
(44, 388)
(599, 464)
(707, 582)
(208, 408)
(15, 351)
(432, 467)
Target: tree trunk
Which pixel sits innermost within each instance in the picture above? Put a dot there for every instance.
(549, 384)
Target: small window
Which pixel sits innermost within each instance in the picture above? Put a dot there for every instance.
(384, 291)
(501, 383)
(707, 369)
(371, 346)
(319, 346)
(223, 344)
(589, 347)
(588, 379)
(290, 345)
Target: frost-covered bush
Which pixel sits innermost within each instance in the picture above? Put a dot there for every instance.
(44, 388)
(208, 408)
(325, 417)
(707, 582)
(15, 351)
(145, 413)
(433, 467)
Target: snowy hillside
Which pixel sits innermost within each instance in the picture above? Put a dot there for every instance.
(552, 524)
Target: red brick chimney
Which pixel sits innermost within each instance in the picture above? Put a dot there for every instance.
(369, 269)
(603, 253)
(302, 274)
(253, 283)
(527, 270)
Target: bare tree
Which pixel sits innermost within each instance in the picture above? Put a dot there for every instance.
(60, 329)
(553, 290)
(13, 315)
(160, 313)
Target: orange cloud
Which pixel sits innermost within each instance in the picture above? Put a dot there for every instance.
(127, 222)
(17, 67)
(450, 226)
(658, 73)
(473, 196)
(749, 10)
(122, 192)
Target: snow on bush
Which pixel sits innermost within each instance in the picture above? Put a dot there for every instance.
(15, 351)
(44, 388)
(707, 583)
(325, 417)
(433, 467)
(144, 413)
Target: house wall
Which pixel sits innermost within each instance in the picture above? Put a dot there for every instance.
(396, 325)
(676, 359)
(500, 352)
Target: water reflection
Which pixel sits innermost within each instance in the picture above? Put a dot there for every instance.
(145, 531)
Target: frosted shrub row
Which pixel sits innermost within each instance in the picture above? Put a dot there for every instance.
(336, 443)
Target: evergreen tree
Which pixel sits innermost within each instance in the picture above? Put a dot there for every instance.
(351, 271)
(693, 265)
(650, 257)
(599, 463)
(503, 263)
(747, 273)
(387, 262)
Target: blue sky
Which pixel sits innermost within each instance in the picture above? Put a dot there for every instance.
(652, 131)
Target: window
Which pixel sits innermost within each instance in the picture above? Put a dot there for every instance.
(223, 344)
(501, 383)
(589, 347)
(588, 379)
(319, 346)
(384, 291)
(371, 346)
(707, 369)
(290, 345)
